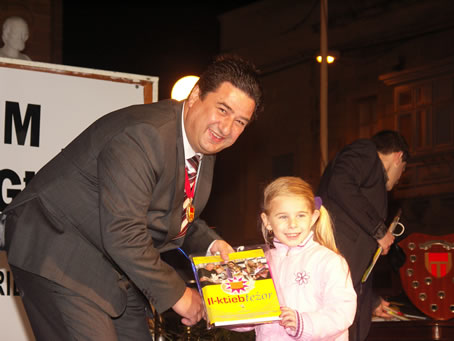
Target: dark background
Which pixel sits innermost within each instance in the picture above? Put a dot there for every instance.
(153, 39)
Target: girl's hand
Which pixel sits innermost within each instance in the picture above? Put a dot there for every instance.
(288, 317)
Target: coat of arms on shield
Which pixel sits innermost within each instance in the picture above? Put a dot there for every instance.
(427, 275)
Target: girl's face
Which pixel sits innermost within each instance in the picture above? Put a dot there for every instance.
(290, 218)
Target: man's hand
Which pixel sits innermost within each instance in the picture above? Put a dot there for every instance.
(223, 248)
(386, 242)
(380, 310)
(190, 307)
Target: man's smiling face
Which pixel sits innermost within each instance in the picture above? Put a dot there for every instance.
(215, 122)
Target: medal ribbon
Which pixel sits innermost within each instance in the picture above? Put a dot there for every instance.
(188, 209)
(187, 185)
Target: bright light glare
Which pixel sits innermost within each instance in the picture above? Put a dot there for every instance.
(183, 87)
(329, 59)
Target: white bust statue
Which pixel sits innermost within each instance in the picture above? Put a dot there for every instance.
(14, 36)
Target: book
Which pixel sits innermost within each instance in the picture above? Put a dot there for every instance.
(239, 291)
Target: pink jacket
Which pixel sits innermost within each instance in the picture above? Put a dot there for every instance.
(315, 282)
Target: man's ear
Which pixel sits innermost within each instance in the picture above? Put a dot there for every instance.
(398, 157)
(194, 95)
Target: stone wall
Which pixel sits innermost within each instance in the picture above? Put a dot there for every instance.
(380, 44)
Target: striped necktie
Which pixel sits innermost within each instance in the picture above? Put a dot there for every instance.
(192, 175)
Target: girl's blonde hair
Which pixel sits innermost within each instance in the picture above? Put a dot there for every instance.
(294, 186)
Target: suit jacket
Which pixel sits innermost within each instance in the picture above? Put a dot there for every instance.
(100, 213)
(353, 189)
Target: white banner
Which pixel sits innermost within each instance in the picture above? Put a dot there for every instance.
(40, 113)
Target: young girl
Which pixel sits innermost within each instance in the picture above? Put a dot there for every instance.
(313, 281)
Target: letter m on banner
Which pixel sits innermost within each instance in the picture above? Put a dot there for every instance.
(31, 120)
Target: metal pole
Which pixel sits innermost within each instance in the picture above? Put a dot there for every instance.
(323, 85)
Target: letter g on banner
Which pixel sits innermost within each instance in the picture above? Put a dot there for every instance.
(8, 174)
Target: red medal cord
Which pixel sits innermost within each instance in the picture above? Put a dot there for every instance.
(187, 186)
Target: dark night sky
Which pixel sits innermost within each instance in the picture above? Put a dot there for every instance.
(148, 39)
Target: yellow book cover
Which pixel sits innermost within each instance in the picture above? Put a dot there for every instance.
(240, 291)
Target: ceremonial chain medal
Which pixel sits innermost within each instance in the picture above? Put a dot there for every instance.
(190, 210)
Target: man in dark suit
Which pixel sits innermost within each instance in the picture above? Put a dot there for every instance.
(354, 190)
(85, 236)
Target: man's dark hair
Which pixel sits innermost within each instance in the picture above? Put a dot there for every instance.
(390, 141)
(235, 70)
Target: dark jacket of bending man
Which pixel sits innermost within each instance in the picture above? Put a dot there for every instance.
(354, 189)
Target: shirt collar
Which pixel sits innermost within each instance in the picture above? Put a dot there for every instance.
(188, 151)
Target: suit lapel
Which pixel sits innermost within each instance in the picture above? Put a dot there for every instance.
(203, 184)
(177, 207)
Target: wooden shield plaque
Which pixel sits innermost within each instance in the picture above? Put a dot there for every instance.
(427, 275)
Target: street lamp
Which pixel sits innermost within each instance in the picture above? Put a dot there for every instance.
(330, 57)
(183, 87)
